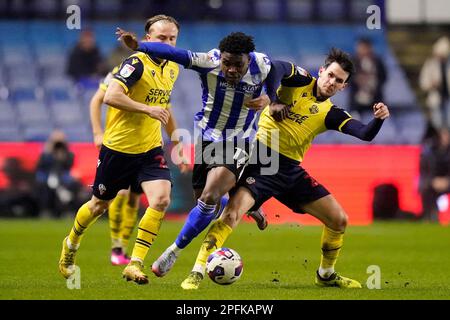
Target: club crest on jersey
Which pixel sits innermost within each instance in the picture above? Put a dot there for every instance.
(250, 180)
(101, 188)
(172, 74)
(314, 109)
(127, 70)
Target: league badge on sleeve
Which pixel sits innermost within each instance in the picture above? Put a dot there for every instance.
(127, 70)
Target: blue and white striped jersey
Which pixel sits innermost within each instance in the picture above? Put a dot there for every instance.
(223, 115)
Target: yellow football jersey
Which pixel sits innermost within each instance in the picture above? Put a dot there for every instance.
(147, 81)
(308, 117)
(103, 86)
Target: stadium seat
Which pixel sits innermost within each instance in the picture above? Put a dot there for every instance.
(67, 113)
(7, 113)
(411, 125)
(10, 133)
(32, 112)
(299, 9)
(26, 94)
(78, 133)
(37, 132)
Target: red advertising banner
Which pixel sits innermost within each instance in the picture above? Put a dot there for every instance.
(349, 172)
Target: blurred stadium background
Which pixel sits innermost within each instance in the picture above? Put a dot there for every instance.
(37, 96)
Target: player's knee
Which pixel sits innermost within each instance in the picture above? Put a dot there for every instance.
(210, 197)
(340, 222)
(98, 207)
(160, 203)
(230, 219)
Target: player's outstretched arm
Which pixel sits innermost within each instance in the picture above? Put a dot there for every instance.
(369, 131)
(157, 49)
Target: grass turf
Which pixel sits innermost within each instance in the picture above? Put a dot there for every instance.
(279, 263)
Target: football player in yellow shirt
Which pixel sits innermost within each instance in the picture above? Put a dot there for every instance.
(131, 154)
(285, 132)
(123, 210)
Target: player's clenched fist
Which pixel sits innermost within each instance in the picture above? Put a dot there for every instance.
(279, 111)
(380, 111)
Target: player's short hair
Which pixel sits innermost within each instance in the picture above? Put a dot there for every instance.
(160, 17)
(237, 43)
(343, 59)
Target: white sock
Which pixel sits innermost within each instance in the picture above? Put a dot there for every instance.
(116, 243)
(137, 259)
(175, 249)
(199, 268)
(71, 246)
(325, 272)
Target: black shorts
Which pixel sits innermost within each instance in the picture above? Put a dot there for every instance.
(117, 171)
(291, 184)
(230, 154)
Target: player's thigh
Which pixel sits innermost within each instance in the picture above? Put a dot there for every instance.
(239, 203)
(157, 193)
(328, 211)
(219, 181)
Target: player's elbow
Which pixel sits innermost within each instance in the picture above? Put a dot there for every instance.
(110, 98)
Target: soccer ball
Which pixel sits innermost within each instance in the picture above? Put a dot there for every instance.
(224, 266)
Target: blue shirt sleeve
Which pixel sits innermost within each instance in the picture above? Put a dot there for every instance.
(165, 51)
(338, 119)
(278, 71)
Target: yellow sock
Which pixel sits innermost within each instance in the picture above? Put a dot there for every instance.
(147, 232)
(129, 217)
(214, 239)
(331, 243)
(115, 219)
(83, 220)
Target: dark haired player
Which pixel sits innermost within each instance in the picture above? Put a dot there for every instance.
(232, 78)
(303, 111)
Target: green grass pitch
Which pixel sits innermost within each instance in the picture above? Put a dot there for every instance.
(279, 263)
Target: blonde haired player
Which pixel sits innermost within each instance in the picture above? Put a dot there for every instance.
(123, 210)
(131, 152)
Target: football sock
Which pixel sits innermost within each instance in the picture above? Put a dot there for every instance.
(331, 244)
(129, 217)
(198, 219)
(147, 232)
(83, 220)
(214, 239)
(115, 219)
